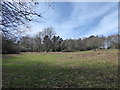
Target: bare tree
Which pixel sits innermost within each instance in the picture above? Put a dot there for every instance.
(15, 17)
(49, 32)
(38, 40)
(112, 41)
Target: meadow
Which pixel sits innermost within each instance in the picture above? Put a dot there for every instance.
(84, 69)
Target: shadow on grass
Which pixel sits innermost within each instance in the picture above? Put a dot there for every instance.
(42, 75)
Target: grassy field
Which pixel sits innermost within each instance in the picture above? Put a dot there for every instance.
(86, 69)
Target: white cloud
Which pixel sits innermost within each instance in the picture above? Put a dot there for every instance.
(108, 25)
(82, 15)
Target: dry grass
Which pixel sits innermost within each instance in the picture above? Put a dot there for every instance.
(86, 69)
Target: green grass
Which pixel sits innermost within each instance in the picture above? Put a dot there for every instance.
(85, 69)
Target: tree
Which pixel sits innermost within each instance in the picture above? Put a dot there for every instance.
(94, 42)
(80, 45)
(62, 45)
(38, 41)
(9, 46)
(27, 44)
(112, 41)
(67, 45)
(16, 17)
(49, 32)
(47, 43)
(56, 41)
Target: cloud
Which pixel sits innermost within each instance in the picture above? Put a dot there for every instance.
(81, 19)
(85, 17)
(108, 25)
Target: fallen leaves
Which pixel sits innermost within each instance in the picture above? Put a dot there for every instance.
(58, 70)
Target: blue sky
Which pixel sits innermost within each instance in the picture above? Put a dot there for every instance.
(78, 19)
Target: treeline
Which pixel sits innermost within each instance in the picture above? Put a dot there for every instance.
(47, 41)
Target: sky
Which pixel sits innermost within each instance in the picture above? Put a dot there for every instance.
(78, 19)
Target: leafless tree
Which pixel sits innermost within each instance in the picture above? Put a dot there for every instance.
(38, 40)
(15, 16)
(49, 32)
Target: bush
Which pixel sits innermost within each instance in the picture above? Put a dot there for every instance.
(66, 50)
(9, 47)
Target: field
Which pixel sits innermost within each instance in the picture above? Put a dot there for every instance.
(85, 69)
